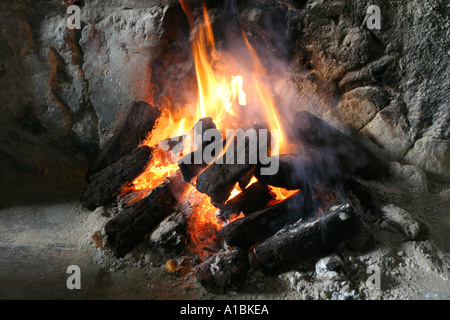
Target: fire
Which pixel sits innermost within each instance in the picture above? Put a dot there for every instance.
(219, 92)
(235, 217)
(221, 96)
(226, 89)
(202, 225)
(169, 125)
(281, 193)
(221, 84)
(266, 99)
(155, 173)
(237, 190)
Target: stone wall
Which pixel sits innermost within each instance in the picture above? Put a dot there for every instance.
(62, 92)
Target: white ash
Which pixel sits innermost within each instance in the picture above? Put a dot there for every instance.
(401, 219)
(330, 267)
(407, 176)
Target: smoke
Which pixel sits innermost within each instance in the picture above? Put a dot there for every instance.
(326, 157)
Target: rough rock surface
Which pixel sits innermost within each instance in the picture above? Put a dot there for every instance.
(63, 92)
(401, 219)
(118, 50)
(389, 86)
(407, 176)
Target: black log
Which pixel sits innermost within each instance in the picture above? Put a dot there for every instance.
(308, 239)
(106, 184)
(226, 270)
(193, 164)
(130, 227)
(132, 131)
(340, 153)
(170, 144)
(176, 144)
(304, 171)
(263, 224)
(220, 178)
(132, 196)
(251, 199)
(170, 236)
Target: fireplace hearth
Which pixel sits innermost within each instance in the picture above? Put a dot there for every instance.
(229, 144)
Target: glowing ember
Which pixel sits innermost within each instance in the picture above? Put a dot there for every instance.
(282, 193)
(202, 226)
(172, 266)
(170, 124)
(237, 190)
(158, 170)
(235, 217)
(252, 181)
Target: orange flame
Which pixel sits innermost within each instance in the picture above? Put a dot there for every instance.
(169, 125)
(266, 99)
(235, 217)
(281, 193)
(219, 91)
(202, 226)
(224, 92)
(237, 190)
